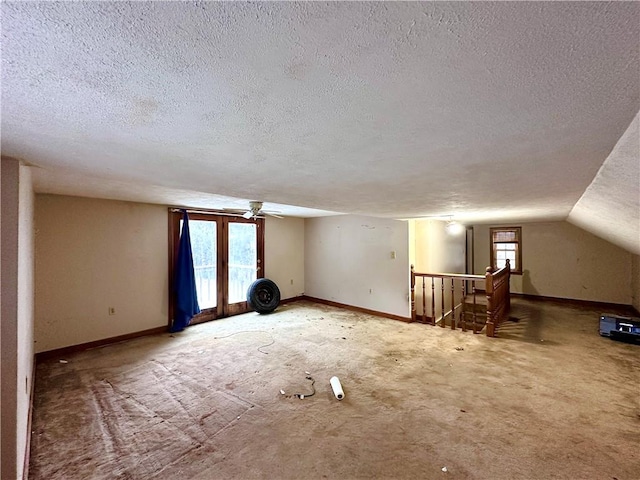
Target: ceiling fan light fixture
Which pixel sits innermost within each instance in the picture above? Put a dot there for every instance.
(255, 211)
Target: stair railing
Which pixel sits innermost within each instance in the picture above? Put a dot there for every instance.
(498, 297)
(446, 290)
(495, 294)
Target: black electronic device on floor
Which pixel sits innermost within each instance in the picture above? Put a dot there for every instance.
(620, 328)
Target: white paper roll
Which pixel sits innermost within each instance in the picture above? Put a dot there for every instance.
(337, 388)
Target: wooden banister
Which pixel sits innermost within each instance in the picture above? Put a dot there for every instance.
(462, 276)
(413, 295)
(456, 286)
(496, 285)
(498, 297)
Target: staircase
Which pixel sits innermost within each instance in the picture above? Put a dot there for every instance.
(478, 307)
(476, 322)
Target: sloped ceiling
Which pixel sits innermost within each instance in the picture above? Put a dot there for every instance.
(486, 111)
(610, 207)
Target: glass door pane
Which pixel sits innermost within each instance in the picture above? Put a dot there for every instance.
(243, 259)
(205, 257)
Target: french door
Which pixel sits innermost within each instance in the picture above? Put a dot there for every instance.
(228, 256)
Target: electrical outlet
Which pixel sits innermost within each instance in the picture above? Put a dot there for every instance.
(112, 311)
(393, 255)
(292, 281)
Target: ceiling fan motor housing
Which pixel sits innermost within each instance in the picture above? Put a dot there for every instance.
(255, 206)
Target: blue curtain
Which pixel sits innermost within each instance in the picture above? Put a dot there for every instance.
(186, 300)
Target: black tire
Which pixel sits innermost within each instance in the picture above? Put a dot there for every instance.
(263, 295)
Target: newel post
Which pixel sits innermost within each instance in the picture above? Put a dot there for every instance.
(413, 294)
(488, 276)
(508, 301)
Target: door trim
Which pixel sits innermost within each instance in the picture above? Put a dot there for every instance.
(223, 219)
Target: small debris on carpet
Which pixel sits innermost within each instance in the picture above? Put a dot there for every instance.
(301, 396)
(64, 361)
(444, 469)
(459, 349)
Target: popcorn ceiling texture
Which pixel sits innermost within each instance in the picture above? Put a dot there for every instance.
(490, 111)
(611, 204)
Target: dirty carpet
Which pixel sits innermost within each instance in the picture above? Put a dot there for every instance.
(548, 399)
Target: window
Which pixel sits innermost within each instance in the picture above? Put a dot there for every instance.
(228, 252)
(204, 249)
(506, 243)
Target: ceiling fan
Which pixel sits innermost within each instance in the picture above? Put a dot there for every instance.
(255, 210)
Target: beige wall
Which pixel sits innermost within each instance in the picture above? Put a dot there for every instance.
(26, 300)
(411, 230)
(437, 251)
(564, 261)
(94, 254)
(348, 260)
(635, 282)
(16, 337)
(284, 254)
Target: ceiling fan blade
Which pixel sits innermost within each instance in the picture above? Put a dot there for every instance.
(273, 215)
(248, 214)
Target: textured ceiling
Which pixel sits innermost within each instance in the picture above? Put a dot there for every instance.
(487, 111)
(610, 207)
(81, 185)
